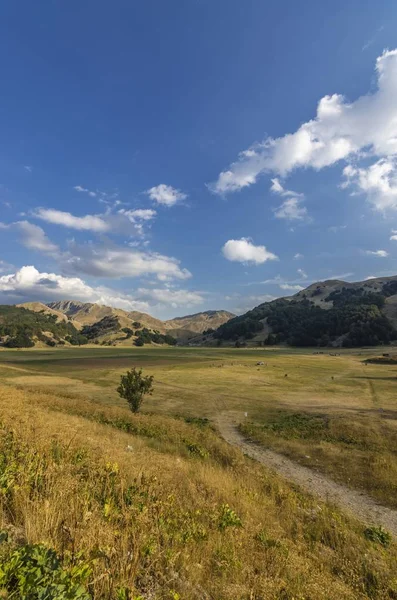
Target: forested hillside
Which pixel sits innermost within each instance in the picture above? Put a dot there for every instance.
(22, 328)
(351, 315)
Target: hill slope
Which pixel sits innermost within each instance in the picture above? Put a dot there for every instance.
(325, 313)
(200, 322)
(24, 328)
(101, 504)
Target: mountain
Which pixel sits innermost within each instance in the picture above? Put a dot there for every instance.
(331, 312)
(105, 322)
(88, 314)
(188, 327)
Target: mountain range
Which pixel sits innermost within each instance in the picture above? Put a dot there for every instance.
(102, 324)
(327, 313)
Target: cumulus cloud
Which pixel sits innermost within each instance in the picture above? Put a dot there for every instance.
(245, 251)
(378, 181)
(117, 262)
(165, 194)
(394, 234)
(379, 253)
(28, 284)
(340, 130)
(298, 256)
(302, 273)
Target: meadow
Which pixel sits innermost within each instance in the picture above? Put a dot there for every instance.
(159, 506)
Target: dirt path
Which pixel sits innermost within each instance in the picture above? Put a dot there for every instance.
(356, 503)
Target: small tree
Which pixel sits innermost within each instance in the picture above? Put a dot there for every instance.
(133, 386)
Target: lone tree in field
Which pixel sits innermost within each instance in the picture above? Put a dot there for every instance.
(133, 386)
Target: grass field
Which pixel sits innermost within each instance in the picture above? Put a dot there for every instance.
(153, 506)
(335, 413)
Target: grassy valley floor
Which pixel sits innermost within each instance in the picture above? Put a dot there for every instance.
(159, 506)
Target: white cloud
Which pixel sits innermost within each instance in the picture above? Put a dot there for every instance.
(277, 188)
(174, 298)
(302, 273)
(370, 277)
(108, 222)
(116, 262)
(79, 188)
(165, 194)
(291, 210)
(28, 284)
(378, 182)
(28, 168)
(138, 214)
(292, 288)
(298, 256)
(34, 238)
(66, 219)
(394, 234)
(380, 253)
(341, 130)
(245, 251)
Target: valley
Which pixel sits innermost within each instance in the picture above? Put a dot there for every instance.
(191, 493)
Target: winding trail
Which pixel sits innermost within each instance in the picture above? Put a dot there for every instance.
(357, 503)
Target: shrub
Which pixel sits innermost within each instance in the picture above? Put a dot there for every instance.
(133, 387)
(35, 572)
(228, 518)
(378, 535)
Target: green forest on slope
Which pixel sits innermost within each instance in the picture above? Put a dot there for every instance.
(355, 319)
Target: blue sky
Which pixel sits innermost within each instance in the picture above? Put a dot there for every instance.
(178, 156)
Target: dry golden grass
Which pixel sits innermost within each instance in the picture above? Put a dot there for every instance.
(164, 521)
(356, 401)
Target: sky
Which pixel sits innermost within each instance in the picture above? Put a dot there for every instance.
(180, 156)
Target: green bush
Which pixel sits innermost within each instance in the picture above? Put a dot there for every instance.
(134, 386)
(34, 571)
(378, 535)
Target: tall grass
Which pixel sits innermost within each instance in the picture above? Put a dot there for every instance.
(136, 514)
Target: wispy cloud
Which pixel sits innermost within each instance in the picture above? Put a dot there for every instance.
(84, 190)
(336, 228)
(379, 253)
(290, 287)
(372, 39)
(291, 209)
(302, 273)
